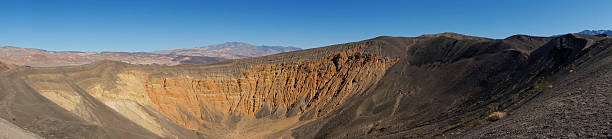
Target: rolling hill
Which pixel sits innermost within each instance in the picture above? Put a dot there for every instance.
(44, 58)
(230, 50)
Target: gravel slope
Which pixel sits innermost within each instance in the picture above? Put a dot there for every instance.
(579, 105)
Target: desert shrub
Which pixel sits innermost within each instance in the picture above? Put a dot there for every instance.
(475, 123)
(493, 106)
(542, 84)
(496, 116)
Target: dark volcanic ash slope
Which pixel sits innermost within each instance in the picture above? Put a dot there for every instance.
(428, 86)
(577, 102)
(448, 84)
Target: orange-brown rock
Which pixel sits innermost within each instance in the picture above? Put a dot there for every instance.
(431, 86)
(320, 85)
(4, 66)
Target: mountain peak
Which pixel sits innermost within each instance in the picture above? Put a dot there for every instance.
(596, 32)
(452, 35)
(235, 43)
(232, 44)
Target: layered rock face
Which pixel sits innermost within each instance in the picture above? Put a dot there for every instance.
(288, 88)
(202, 103)
(389, 87)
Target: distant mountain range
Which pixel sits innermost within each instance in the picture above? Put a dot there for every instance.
(230, 50)
(596, 32)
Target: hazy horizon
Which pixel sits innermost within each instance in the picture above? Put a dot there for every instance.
(158, 25)
(207, 45)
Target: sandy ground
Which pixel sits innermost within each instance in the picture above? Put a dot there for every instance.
(264, 128)
(9, 131)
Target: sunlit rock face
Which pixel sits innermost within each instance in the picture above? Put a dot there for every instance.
(292, 88)
(437, 85)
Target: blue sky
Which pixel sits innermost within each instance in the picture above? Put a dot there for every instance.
(118, 25)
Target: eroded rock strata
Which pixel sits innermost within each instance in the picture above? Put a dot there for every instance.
(322, 85)
(437, 85)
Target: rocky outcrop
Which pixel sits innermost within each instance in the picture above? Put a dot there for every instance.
(129, 99)
(4, 66)
(288, 88)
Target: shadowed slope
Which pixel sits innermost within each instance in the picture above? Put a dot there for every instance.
(573, 103)
(431, 85)
(447, 85)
